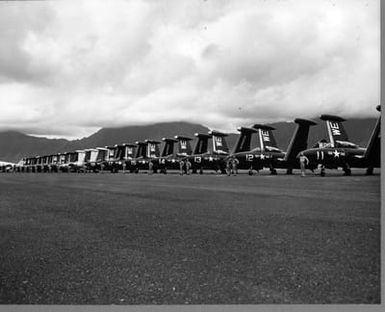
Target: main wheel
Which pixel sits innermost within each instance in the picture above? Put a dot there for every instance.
(347, 172)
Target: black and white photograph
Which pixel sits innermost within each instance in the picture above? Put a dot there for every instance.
(190, 153)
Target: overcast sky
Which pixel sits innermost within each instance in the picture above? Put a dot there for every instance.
(68, 68)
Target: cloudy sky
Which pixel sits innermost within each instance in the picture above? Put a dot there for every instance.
(68, 68)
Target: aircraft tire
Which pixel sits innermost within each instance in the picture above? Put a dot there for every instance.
(289, 171)
(273, 171)
(250, 172)
(347, 172)
(369, 171)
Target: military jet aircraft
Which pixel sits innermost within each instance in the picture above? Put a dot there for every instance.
(209, 158)
(146, 151)
(267, 154)
(171, 159)
(6, 166)
(339, 152)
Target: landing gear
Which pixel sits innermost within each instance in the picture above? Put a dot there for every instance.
(369, 171)
(347, 171)
(322, 172)
(289, 171)
(273, 171)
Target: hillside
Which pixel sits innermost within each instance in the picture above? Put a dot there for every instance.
(15, 145)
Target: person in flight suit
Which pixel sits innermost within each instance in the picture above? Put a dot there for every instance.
(150, 167)
(188, 166)
(229, 166)
(234, 165)
(303, 161)
(181, 167)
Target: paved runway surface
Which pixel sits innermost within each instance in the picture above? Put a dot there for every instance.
(170, 239)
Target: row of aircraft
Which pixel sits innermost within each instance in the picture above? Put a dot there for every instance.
(211, 152)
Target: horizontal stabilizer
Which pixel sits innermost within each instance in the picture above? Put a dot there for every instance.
(181, 137)
(326, 117)
(263, 127)
(217, 133)
(305, 122)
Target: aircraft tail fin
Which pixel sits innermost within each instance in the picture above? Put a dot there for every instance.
(335, 128)
(299, 139)
(184, 146)
(141, 150)
(201, 145)
(168, 148)
(152, 148)
(243, 143)
(266, 137)
(373, 150)
(130, 150)
(219, 142)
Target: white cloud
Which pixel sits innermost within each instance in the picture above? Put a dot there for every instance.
(70, 67)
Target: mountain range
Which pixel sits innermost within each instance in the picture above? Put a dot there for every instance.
(15, 145)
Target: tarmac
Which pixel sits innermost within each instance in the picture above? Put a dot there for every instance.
(198, 239)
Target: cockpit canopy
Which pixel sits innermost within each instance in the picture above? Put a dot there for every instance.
(272, 149)
(345, 144)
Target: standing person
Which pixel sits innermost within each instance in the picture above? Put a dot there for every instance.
(150, 167)
(188, 166)
(303, 160)
(229, 166)
(234, 165)
(181, 165)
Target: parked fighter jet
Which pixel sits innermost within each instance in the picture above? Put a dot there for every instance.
(74, 161)
(96, 158)
(171, 159)
(267, 154)
(339, 152)
(146, 151)
(6, 166)
(213, 158)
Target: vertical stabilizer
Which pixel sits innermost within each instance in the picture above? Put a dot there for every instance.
(202, 144)
(243, 143)
(184, 146)
(266, 137)
(299, 139)
(168, 148)
(335, 128)
(152, 148)
(373, 150)
(219, 142)
(142, 149)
